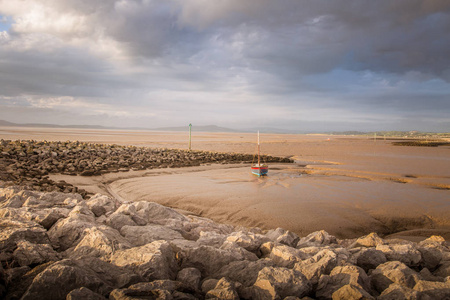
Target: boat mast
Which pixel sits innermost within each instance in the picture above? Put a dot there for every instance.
(259, 162)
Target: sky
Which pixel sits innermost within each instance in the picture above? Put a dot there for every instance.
(301, 65)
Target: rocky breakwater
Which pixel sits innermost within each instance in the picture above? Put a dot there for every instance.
(60, 246)
(28, 163)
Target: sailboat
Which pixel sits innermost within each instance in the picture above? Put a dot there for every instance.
(259, 169)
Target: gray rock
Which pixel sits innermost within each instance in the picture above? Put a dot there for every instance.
(84, 294)
(370, 259)
(209, 260)
(443, 270)
(393, 272)
(102, 241)
(14, 231)
(282, 236)
(321, 263)
(247, 240)
(117, 220)
(100, 204)
(211, 238)
(317, 238)
(350, 291)
(209, 284)
(68, 232)
(34, 254)
(434, 290)
(285, 256)
(431, 256)
(243, 271)
(406, 253)
(190, 277)
(398, 292)
(370, 240)
(57, 280)
(141, 235)
(223, 290)
(151, 261)
(275, 283)
(339, 277)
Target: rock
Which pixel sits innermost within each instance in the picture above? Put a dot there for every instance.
(243, 271)
(434, 290)
(314, 267)
(249, 241)
(350, 291)
(57, 280)
(13, 202)
(143, 290)
(406, 253)
(209, 284)
(190, 277)
(100, 242)
(317, 238)
(101, 204)
(14, 231)
(84, 294)
(398, 292)
(152, 212)
(68, 232)
(431, 256)
(49, 219)
(282, 236)
(370, 259)
(285, 256)
(232, 247)
(209, 260)
(223, 290)
(151, 261)
(393, 272)
(275, 283)
(117, 220)
(34, 254)
(19, 282)
(443, 270)
(370, 240)
(141, 235)
(211, 238)
(339, 277)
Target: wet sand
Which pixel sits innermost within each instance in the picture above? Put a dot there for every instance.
(348, 186)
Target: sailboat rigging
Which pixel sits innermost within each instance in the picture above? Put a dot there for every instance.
(259, 169)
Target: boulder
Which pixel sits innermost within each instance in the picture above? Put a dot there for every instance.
(243, 271)
(211, 238)
(13, 202)
(284, 237)
(249, 241)
(151, 212)
(59, 279)
(339, 277)
(152, 261)
(117, 220)
(278, 283)
(443, 270)
(190, 277)
(34, 254)
(49, 218)
(321, 238)
(370, 240)
(432, 289)
(431, 256)
(223, 290)
(13, 231)
(84, 294)
(405, 253)
(68, 232)
(99, 242)
(393, 272)
(351, 291)
(370, 258)
(314, 267)
(141, 235)
(19, 279)
(285, 256)
(101, 204)
(399, 292)
(232, 247)
(144, 290)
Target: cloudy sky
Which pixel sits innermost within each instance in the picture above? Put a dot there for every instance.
(302, 65)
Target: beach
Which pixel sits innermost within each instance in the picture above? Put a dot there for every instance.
(346, 185)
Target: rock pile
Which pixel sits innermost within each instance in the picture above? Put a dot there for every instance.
(59, 246)
(28, 163)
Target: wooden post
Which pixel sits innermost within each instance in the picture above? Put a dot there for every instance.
(190, 127)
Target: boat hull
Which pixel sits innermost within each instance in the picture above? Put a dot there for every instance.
(260, 171)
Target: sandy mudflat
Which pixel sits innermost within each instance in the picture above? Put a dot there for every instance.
(346, 185)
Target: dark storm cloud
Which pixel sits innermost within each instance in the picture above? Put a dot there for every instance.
(305, 58)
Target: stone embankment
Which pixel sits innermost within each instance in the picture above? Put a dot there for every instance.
(28, 163)
(60, 246)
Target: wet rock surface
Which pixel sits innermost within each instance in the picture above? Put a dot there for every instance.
(60, 246)
(28, 163)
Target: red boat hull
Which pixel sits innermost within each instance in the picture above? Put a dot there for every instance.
(260, 171)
